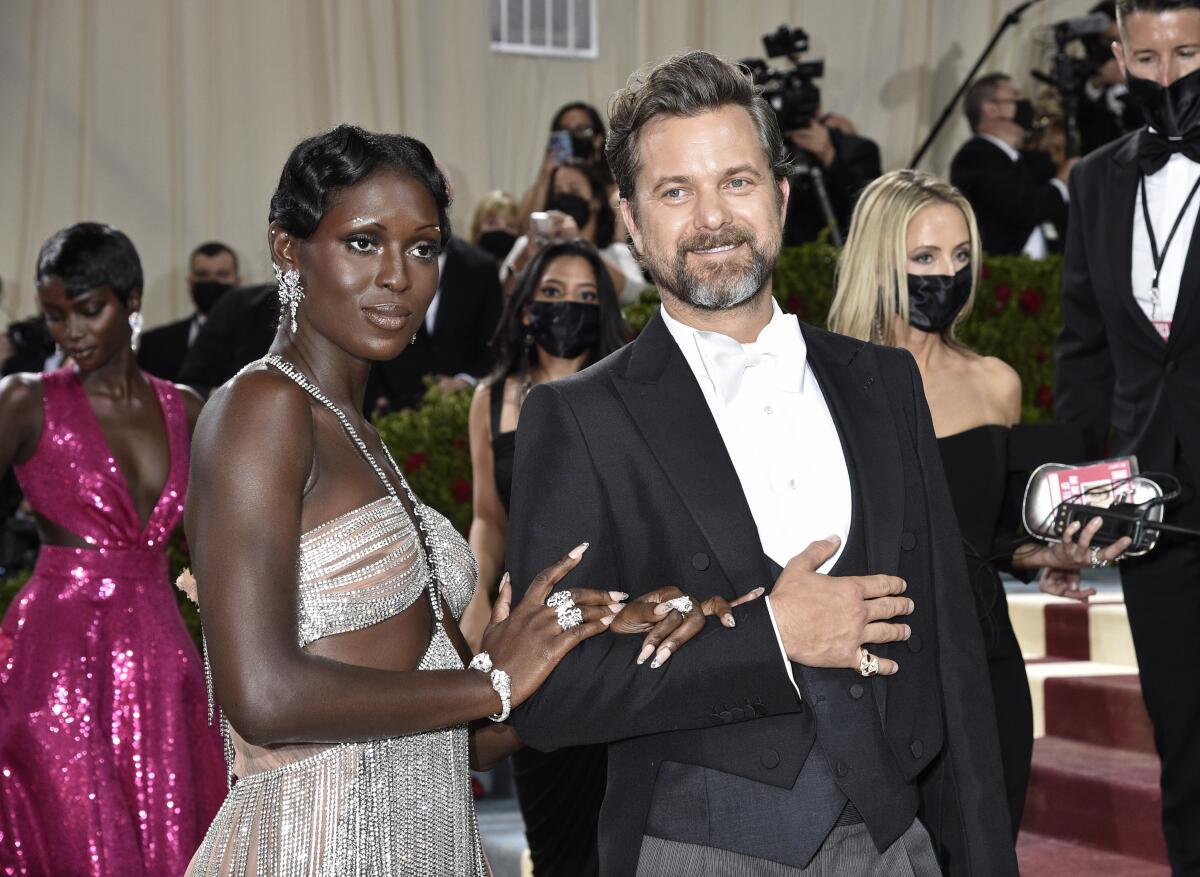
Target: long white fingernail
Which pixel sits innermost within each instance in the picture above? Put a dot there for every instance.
(729, 622)
(506, 580)
(619, 596)
(660, 658)
(614, 608)
(577, 552)
(647, 651)
(607, 620)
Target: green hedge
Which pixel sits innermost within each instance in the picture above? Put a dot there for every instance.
(1016, 317)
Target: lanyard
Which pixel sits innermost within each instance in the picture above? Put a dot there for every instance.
(1160, 258)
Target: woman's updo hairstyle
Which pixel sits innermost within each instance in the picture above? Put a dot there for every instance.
(322, 165)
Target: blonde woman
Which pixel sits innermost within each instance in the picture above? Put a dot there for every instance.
(907, 278)
(496, 224)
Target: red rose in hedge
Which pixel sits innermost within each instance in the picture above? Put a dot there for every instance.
(1031, 301)
(415, 461)
(1044, 397)
(1003, 294)
(458, 444)
(1039, 354)
(985, 272)
(460, 488)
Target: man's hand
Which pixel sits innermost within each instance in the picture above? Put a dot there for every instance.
(824, 621)
(815, 139)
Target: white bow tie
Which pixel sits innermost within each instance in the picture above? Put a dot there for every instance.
(726, 361)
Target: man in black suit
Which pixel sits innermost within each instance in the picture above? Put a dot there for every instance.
(452, 344)
(844, 720)
(846, 162)
(1019, 196)
(1129, 357)
(238, 330)
(212, 272)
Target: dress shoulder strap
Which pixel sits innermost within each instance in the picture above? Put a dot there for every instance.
(496, 393)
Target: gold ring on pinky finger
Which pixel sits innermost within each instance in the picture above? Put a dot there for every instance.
(868, 664)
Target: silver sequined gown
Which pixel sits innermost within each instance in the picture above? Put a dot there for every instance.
(400, 805)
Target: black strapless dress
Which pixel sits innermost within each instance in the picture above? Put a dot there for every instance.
(559, 792)
(986, 485)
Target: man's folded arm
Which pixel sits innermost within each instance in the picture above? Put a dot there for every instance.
(599, 693)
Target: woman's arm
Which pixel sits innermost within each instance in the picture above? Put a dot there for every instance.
(490, 524)
(21, 416)
(252, 458)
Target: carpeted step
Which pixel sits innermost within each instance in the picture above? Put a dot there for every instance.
(1102, 710)
(1102, 797)
(1055, 628)
(1042, 856)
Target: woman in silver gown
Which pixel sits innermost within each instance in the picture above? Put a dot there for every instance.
(329, 592)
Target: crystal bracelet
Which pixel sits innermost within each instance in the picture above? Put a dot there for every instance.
(501, 683)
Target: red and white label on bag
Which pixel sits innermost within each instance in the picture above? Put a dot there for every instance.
(1096, 484)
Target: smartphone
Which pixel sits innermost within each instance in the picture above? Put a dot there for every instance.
(560, 146)
(540, 225)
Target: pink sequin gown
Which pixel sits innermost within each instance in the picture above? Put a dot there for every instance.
(108, 765)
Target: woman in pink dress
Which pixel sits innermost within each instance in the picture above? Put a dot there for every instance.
(108, 765)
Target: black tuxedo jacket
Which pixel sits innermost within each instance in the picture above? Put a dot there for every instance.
(468, 310)
(1010, 198)
(626, 455)
(1113, 367)
(239, 329)
(163, 349)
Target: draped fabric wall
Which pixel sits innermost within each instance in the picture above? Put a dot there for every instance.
(171, 119)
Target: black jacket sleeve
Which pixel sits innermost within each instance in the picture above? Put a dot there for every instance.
(995, 184)
(598, 694)
(1082, 361)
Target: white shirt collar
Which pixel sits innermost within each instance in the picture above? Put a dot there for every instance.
(1008, 150)
(783, 333)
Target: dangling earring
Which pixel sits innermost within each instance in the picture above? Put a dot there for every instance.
(291, 293)
(136, 322)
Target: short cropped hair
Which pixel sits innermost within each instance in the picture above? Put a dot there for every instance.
(213, 248)
(1129, 7)
(90, 254)
(981, 91)
(682, 86)
(321, 166)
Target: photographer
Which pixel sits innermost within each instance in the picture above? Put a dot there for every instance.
(577, 135)
(847, 163)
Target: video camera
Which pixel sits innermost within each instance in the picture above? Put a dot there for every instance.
(791, 92)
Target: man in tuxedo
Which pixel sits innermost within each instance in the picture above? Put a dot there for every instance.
(238, 330)
(846, 162)
(1129, 357)
(452, 344)
(844, 722)
(212, 272)
(1019, 196)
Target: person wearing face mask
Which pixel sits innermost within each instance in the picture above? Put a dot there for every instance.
(212, 272)
(1128, 360)
(1019, 196)
(495, 225)
(578, 206)
(579, 125)
(918, 304)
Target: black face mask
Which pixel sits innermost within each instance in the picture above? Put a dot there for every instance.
(206, 292)
(498, 243)
(1024, 114)
(1174, 111)
(934, 300)
(564, 328)
(575, 207)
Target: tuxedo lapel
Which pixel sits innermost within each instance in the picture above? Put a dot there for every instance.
(864, 421)
(448, 283)
(667, 405)
(1125, 193)
(1185, 303)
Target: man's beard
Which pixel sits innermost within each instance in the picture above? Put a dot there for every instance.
(723, 284)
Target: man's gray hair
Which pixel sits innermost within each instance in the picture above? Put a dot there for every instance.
(685, 85)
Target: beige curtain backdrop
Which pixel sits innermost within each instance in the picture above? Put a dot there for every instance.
(171, 119)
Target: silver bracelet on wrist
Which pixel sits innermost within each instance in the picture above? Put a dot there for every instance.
(501, 683)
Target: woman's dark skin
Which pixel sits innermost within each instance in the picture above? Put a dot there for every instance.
(270, 463)
(93, 329)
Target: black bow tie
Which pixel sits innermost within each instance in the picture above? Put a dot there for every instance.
(1155, 150)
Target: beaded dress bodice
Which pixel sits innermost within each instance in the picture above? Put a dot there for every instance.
(400, 805)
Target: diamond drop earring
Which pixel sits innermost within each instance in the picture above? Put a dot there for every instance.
(291, 293)
(136, 322)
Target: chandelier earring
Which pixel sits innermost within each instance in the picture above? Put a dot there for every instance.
(136, 323)
(291, 293)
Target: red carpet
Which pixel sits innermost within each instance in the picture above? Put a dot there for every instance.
(1094, 804)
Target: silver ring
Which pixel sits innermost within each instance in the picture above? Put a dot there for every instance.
(1097, 563)
(568, 618)
(682, 605)
(868, 664)
(560, 601)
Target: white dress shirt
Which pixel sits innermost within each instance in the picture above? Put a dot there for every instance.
(1166, 191)
(1035, 246)
(779, 435)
